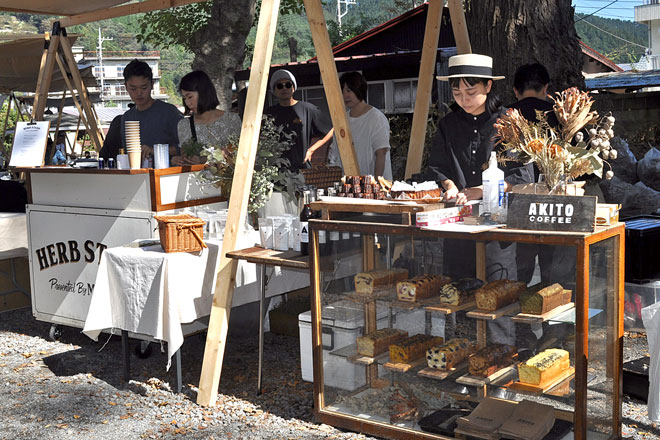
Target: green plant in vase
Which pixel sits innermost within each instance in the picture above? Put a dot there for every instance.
(270, 167)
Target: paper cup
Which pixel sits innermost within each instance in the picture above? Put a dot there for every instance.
(134, 158)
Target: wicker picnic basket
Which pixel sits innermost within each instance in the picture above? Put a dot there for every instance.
(181, 233)
(321, 176)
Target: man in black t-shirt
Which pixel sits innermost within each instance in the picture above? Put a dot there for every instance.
(304, 120)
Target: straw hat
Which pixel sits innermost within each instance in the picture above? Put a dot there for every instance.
(470, 65)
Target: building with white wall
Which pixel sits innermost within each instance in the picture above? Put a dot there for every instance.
(649, 14)
(109, 72)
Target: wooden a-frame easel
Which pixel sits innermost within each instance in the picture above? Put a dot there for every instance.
(57, 50)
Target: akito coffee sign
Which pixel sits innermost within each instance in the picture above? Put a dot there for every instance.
(551, 212)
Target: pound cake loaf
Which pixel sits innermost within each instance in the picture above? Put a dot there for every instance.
(377, 342)
(459, 292)
(544, 367)
(412, 348)
(537, 301)
(498, 294)
(420, 287)
(449, 354)
(365, 282)
(490, 359)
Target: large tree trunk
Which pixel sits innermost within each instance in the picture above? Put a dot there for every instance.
(516, 32)
(220, 45)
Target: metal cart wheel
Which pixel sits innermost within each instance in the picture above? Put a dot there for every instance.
(143, 349)
(55, 332)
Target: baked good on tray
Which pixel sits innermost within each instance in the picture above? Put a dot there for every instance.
(413, 348)
(544, 367)
(490, 359)
(498, 294)
(365, 282)
(537, 301)
(459, 292)
(449, 354)
(420, 287)
(377, 342)
(415, 191)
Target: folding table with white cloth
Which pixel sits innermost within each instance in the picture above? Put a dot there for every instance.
(13, 244)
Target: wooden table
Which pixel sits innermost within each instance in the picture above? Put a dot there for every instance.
(268, 257)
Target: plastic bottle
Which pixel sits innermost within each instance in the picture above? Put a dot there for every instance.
(493, 188)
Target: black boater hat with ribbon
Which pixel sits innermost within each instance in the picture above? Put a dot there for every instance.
(470, 65)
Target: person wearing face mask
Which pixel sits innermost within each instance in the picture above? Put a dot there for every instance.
(301, 119)
(370, 129)
(206, 124)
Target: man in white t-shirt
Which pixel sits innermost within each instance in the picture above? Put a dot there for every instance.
(369, 127)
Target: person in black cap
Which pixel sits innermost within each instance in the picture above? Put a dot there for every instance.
(302, 119)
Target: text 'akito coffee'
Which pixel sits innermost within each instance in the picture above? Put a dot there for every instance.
(550, 212)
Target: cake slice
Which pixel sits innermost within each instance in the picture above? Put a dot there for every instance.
(544, 367)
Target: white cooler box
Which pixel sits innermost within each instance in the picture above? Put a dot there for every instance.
(342, 323)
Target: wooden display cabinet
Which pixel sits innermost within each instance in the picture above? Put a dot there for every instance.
(588, 401)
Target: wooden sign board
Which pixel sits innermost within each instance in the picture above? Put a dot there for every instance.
(541, 212)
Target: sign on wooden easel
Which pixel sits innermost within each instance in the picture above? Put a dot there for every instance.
(30, 140)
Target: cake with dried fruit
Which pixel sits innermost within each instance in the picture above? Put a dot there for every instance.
(537, 301)
(420, 287)
(459, 292)
(365, 282)
(413, 348)
(449, 354)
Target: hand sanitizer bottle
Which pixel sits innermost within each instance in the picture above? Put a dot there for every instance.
(493, 188)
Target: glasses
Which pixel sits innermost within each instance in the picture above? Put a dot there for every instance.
(280, 86)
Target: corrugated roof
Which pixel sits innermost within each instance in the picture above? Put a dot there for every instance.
(629, 80)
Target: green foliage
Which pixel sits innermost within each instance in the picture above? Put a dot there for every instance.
(614, 48)
(270, 170)
(174, 26)
(11, 122)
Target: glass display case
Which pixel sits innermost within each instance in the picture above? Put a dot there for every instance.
(362, 385)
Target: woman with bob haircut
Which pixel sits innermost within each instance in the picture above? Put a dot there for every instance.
(369, 127)
(205, 123)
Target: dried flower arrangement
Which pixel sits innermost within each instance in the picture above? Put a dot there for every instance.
(270, 170)
(578, 145)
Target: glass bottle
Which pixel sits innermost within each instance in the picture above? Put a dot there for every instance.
(305, 215)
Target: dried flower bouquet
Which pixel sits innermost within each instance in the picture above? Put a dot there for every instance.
(578, 145)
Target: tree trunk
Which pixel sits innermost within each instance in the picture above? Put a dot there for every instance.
(220, 45)
(293, 49)
(516, 32)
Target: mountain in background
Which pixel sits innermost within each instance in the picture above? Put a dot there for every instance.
(601, 34)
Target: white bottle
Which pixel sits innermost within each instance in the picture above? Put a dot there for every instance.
(493, 188)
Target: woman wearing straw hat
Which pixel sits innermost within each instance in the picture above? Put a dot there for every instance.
(460, 148)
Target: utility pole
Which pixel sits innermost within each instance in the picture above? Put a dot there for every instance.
(100, 54)
(342, 12)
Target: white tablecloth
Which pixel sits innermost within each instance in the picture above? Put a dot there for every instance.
(150, 292)
(13, 235)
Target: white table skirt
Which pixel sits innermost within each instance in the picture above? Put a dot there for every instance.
(150, 292)
(13, 235)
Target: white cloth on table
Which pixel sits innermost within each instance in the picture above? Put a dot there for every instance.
(150, 292)
(13, 235)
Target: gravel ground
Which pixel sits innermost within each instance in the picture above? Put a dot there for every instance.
(69, 390)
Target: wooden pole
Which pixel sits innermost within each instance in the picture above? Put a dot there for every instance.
(78, 105)
(238, 201)
(96, 135)
(424, 85)
(330, 79)
(45, 76)
(459, 25)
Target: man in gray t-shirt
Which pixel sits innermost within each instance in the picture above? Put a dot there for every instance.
(158, 119)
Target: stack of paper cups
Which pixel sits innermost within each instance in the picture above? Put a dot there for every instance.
(133, 144)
